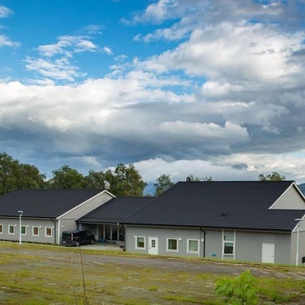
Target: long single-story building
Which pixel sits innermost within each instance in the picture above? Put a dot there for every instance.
(247, 221)
(42, 215)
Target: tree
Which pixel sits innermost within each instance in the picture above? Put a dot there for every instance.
(66, 178)
(274, 176)
(15, 175)
(126, 181)
(95, 180)
(163, 183)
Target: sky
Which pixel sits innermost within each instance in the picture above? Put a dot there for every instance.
(208, 88)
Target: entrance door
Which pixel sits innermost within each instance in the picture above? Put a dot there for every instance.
(268, 253)
(153, 245)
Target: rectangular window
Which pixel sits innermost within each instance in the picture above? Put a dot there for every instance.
(228, 242)
(11, 229)
(193, 246)
(48, 232)
(140, 242)
(35, 231)
(1, 229)
(172, 244)
(23, 230)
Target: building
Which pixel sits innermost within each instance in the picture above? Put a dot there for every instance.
(42, 215)
(246, 221)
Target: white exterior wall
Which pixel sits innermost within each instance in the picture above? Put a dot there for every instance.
(292, 199)
(248, 246)
(68, 220)
(298, 241)
(41, 224)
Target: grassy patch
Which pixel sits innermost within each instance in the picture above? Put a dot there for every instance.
(44, 274)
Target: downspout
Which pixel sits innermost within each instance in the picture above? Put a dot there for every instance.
(53, 220)
(204, 234)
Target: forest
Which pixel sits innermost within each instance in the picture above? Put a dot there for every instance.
(123, 181)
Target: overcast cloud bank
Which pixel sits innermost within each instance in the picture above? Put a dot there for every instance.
(224, 98)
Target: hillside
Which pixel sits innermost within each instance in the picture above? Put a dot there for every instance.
(302, 187)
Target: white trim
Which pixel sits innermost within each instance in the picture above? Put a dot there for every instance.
(188, 248)
(8, 229)
(33, 231)
(45, 232)
(297, 224)
(25, 230)
(223, 244)
(276, 201)
(136, 243)
(171, 250)
(81, 204)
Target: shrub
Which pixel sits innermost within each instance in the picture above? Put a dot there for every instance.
(241, 290)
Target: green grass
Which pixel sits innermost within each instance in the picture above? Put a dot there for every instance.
(44, 274)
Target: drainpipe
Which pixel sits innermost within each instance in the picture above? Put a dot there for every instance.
(204, 234)
(53, 220)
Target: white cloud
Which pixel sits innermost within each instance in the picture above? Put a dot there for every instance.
(5, 12)
(67, 45)
(60, 69)
(107, 50)
(7, 42)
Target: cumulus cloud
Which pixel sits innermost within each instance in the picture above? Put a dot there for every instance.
(225, 98)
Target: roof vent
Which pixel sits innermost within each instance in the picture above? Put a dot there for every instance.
(224, 214)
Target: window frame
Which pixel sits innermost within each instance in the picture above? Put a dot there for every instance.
(144, 243)
(25, 230)
(188, 246)
(167, 245)
(9, 229)
(1, 228)
(45, 231)
(33, 228)
(227, 233)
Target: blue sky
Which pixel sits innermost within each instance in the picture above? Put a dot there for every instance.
(209, 88)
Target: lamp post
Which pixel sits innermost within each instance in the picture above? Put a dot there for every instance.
(298, 242)
(20, 215)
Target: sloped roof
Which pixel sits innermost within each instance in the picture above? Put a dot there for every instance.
(43, 203)
(114, 210)
(234, 204)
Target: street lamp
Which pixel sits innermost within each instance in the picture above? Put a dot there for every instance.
(298, 241)
(20, 215)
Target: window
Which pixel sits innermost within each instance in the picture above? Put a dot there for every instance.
(1, 229)
(11, 229)
(172, 244)
(23, 230)
(193, 246)
(48, 232)
(35, 231)
(140, 242)
(228, 242)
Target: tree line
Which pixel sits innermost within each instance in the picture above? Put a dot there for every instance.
(123, 181)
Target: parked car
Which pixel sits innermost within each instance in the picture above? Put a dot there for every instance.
(77, 238)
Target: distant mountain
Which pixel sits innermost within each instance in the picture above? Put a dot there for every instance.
(302, 187)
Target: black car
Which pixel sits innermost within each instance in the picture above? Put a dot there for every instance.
(77, 238)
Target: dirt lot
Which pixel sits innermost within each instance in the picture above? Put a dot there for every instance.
(39, 274)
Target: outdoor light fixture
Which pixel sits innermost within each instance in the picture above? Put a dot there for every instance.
(20, 215)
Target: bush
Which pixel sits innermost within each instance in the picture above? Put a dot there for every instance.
(241, 290)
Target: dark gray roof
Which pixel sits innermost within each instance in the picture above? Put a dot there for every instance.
(43, 203)
(114, 210)
(239, 205)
